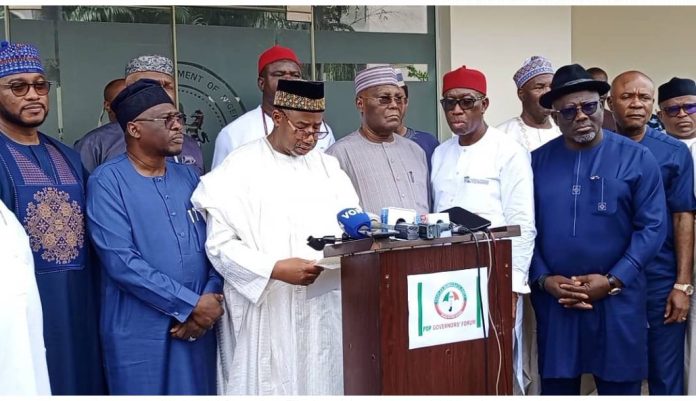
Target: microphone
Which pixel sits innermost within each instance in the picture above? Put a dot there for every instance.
(354, 223)
(318, 244)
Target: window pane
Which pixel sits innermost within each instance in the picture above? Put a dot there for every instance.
(342, 51)
(347, 72)
(218, 69)
(386, 19)
(146, 15)
(82, 55)
(245, 17)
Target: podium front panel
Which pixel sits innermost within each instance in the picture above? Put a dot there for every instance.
(377, 359)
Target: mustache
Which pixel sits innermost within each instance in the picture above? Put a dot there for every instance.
(43, 106)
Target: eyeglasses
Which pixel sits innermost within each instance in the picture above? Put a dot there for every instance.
(303, 133)
(569, 113)
(20, 88)
(673, 111)
(465, 103)
(387, 100)
(169, 120)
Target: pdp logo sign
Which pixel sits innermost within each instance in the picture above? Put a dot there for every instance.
(208, 101)
(450, 300)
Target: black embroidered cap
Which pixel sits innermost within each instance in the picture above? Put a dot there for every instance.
(300, 95)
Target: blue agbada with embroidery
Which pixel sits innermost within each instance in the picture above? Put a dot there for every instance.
(44, 186)
(600, 210)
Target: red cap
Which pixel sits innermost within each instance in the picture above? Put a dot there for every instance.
(463, 77)
(276, 53)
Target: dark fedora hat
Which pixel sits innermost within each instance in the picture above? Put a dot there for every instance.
(571, 78)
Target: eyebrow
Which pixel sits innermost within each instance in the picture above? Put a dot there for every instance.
(39, 79)
(464, 96)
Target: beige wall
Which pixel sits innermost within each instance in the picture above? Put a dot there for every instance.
(654, 40)
(497, 39)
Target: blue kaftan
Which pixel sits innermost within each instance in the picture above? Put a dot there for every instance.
(599, 210)
(666, 350)
(152, 250)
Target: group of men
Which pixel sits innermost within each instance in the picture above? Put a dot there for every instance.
(153, 280)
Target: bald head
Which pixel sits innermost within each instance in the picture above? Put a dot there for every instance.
(111, 90)
(598, 74)
(631, 101)
(628, 76)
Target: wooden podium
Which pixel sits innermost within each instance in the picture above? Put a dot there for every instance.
(376, 355)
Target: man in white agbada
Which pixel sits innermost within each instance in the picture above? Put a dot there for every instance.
(275, 63)
(262, 203)
(483, 170)
(533, 127)
(23, 368)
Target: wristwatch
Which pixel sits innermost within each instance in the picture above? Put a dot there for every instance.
(687, 288)
(614, 288)
(540, 282)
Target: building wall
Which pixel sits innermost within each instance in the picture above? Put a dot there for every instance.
(496, 40)
(654, 40)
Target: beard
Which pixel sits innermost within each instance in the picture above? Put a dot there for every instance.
(586, 138)
(15, 119)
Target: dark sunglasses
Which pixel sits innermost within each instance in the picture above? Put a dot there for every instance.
(22, 88)
(465, 103)
(569, 113)
(673, 111)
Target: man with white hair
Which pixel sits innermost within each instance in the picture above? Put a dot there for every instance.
(386, 169)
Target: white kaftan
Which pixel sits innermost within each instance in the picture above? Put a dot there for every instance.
(529, 137)
(261, 206)
(23, 368)
(492, 178)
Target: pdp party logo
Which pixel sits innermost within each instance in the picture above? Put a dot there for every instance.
(208, 101)
(450, 300)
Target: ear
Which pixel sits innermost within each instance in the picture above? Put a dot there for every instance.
(520, 94)
(359, 104)
(555, 118)
(610, 103)
(277, 116)
(260, 81)
(107, 106)
(661, 115)
(133, 130)
(484, 105)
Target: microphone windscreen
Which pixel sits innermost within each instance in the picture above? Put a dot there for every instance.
(375, 221)
(354, 223)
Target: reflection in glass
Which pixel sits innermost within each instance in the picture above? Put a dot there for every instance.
(147, 15)
(347, 72)
(384, 19)
(245, 17)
